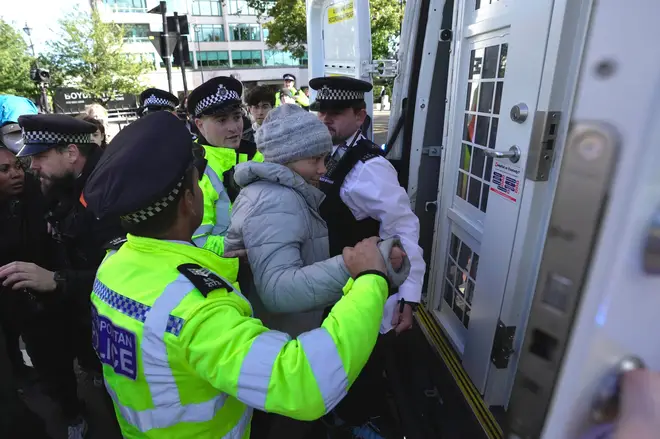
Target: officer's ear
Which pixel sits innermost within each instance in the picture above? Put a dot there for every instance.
(72, 152)
(199, 123)
(360, 115)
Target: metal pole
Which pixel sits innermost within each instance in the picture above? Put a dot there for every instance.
(44, 98)
(199, 51)
(166, 46)
(182, 61)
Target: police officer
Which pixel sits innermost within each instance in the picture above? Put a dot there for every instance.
(216, 107)
(154, 99)
(364, 198)
(63, 155)
(298, 96)
(182, 356)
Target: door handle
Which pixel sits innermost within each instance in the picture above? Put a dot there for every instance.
(512, 154)
(605, 404)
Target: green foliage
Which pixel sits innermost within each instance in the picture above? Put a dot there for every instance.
(288, 27)
(386, 18)
(15, 63)
(89, 56)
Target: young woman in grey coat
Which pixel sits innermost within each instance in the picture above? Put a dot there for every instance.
(275, 218)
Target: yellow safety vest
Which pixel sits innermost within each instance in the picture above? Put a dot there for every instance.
(217, 204)
(183, 358)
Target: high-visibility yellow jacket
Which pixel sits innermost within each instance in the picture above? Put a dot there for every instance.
(299, 96)
(183, 358)
(218, 202)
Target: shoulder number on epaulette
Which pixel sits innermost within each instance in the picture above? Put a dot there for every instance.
(204, 279)
(115, 244)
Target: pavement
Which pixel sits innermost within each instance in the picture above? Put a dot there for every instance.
(380, 122)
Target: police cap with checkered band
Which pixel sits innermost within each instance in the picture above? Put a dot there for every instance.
(154, 99)
(132, 182)
(42, 132)
(338, 92)
(215, 95)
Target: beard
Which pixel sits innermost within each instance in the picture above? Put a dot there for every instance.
(53, 186)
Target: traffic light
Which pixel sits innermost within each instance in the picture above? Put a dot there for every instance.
(176, 60)
(184, 29)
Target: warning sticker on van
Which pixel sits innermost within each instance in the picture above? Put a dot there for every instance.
(340, 12)
(505, 181)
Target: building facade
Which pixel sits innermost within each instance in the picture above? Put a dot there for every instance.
(226, 38)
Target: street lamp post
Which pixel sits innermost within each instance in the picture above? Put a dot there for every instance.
(37, 77)
(199, 51)
(28, 30)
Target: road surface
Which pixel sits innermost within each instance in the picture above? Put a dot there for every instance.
(381, 119)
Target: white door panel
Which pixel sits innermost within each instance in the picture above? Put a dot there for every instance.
(499, 52)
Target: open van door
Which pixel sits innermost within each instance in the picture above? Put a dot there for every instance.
(339, 43)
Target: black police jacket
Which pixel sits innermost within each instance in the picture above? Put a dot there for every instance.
(81, 238)
(24, 237)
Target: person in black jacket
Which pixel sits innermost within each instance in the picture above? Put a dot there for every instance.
(63, 156)
(24, 237)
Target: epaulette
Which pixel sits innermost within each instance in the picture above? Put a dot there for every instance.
(370, 150)
(114, 244)
(204, 279)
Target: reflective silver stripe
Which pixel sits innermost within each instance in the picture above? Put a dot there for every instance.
(168, 409)
(239, 429)
(326, 364)
(157, 371)
(257, 368)
(222, 205)
(162, 417)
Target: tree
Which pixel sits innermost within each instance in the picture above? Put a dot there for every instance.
(89, 56)
(288, 27)
(15, 63)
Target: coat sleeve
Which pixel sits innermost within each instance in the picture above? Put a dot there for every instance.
(273, 234)
(273, 231)
(303, 378)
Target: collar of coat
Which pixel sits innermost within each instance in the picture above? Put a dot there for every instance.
(250, 172)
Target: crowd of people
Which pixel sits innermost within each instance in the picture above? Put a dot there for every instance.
(222, 274)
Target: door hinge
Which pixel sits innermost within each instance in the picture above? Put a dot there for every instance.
(385, 68)
(502, 345)
(432, 151)
(542, 144)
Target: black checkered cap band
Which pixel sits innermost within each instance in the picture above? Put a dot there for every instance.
(332, 94)
(220, 96)
(49, 138)
(154, 209)
(161, 102)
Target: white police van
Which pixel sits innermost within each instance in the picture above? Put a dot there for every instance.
(529, 144)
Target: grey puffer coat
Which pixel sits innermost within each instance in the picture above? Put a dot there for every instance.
(275, 218)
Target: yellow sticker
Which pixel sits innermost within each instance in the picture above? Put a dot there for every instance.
(340, 12)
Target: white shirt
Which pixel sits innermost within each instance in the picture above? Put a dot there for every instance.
(372, 189)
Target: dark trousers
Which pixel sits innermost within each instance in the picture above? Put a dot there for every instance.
(16, 420)
(367, 398)
(14, 308)
(53, 339)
